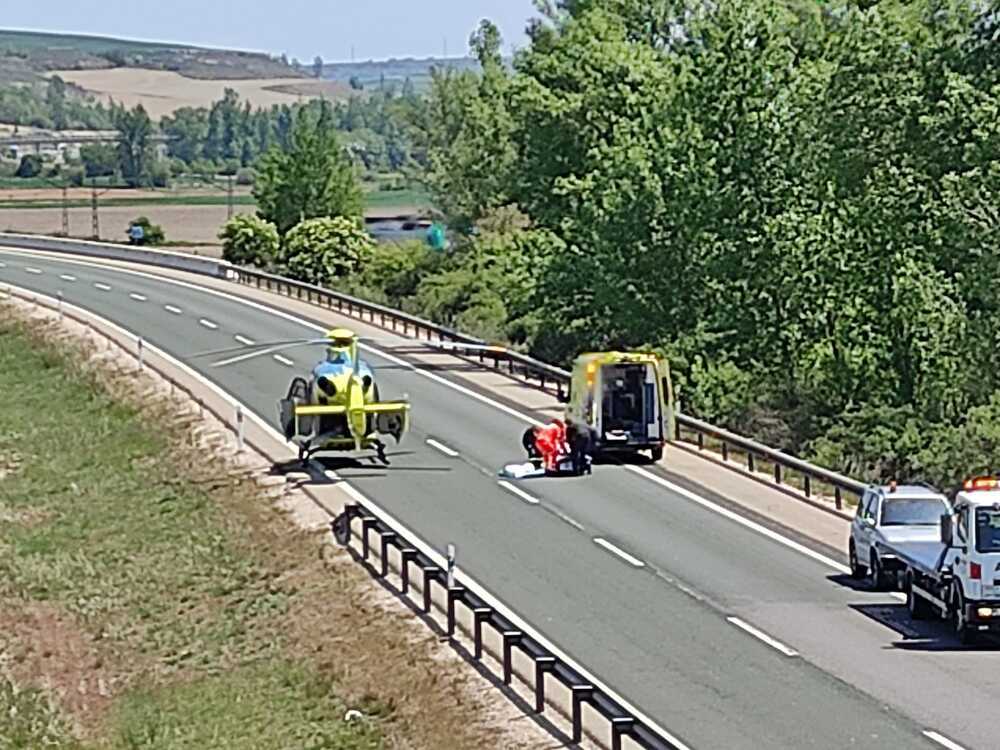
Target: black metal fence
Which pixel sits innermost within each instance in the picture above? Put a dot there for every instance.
(582, 689)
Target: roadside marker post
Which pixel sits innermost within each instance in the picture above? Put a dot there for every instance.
(60, 295)
(139, 344)
(239, 427)
(451, 566)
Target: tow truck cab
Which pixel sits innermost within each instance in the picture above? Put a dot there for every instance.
(972, 537)
(625, 399)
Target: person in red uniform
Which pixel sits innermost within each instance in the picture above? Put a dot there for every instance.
(556, 441)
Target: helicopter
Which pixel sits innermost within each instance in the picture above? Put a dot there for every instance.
(338, 406)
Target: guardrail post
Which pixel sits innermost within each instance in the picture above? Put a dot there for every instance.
(838, 500)
(454, 594)
(239, 427)
(451, 566)
(543, 665)
(387, 538)
(366, 523)
(139, 344)
(620, 725)
(701, 441)
(580, 693)
(777, 473)
(807, 485)
(408, 555)
(750, 461)
(510, 639)
(478, 615)
(430, 573)
(725, 451)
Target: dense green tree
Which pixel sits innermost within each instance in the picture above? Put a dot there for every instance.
(99, 159)
(187, 129)
(249, 240)
(322, 250)
(311, 179)
(135, 153)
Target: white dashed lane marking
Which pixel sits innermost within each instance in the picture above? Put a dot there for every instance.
(172, 309)
(67, 277)
(762, 636)
(519, 492)
(635, 562)
(441, 447)
(137, 297)
(102, 287)
(35, 271)
(284, 360)
(244, 340)
(208, 324)
(942, 740)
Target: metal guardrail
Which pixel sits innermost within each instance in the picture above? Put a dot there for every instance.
(546, 376)
(782, 462)
(622, 722)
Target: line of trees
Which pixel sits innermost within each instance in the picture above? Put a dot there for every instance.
(796, 202)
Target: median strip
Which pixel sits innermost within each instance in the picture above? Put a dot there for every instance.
(635, 562)
(762, 636)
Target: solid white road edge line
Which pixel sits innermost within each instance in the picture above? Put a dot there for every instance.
(244, 340)
(208, 323)
(441, 447)
(942, 740)
(173, 309)
(137, 297)
(530, 499)
(284, 360)
(438, 558)
(635, 562)
(761, 635)
(725, 512)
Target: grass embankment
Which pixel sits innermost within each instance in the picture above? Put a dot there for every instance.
(151, 599)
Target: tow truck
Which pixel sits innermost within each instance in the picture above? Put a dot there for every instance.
(958, 576)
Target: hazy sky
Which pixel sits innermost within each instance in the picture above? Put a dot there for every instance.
(300, 28)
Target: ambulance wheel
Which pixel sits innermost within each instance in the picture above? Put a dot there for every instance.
(656, 454)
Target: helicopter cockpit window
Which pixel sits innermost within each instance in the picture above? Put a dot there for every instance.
(337, 357)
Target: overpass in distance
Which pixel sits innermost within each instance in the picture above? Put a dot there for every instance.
(718, 606)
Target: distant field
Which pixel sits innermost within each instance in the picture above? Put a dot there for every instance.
(162, 92)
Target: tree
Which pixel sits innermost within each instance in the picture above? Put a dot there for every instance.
(319, 251)
(134, 148)
(99, 159)
(249, 240)
(187, 129)
(55, 98)
(312, 179)
(318, 66)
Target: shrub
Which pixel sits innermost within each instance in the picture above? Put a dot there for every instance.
(245, 176)
(320, 250)
(31, 166)
(152, 233)
(249, 240)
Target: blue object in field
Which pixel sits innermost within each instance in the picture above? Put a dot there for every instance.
(436, 237)
(136, 232)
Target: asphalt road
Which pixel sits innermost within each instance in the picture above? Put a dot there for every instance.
(722, 634)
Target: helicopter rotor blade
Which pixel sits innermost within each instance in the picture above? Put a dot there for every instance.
(438, 344)
(247, 347)
(271, 350)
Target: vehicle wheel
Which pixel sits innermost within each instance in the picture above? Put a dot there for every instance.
(858, 571)
(920, 608)
(880, 581)
(656, 454)
(966, 635)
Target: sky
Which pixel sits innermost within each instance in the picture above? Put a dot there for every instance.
(375, 29)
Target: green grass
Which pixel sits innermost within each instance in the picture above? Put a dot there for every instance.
(101, 520)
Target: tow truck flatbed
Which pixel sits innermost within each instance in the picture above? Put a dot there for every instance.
(927, 557)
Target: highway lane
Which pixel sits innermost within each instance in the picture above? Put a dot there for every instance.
(674, 655)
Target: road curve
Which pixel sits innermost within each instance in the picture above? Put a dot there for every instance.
(725, 636)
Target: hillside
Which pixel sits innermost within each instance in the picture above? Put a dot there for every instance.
(29, 55)
(395, 71)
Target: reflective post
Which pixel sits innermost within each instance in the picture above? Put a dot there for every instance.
(239, 427)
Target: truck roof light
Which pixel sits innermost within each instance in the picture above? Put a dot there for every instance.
(980, 483)
(892, 485)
